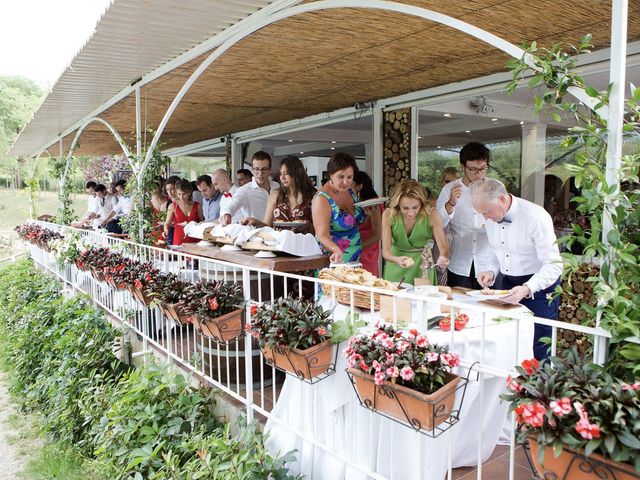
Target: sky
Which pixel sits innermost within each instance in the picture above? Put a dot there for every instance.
(39, 38)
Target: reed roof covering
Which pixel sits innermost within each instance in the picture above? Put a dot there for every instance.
(322, 61)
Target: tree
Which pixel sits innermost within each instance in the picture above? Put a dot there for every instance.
(19, 98)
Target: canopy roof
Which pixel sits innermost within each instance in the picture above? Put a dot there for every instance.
(311, 63)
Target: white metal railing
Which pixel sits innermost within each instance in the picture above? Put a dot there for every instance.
(335, 437)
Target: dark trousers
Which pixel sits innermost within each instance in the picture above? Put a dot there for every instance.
(541, 307)
(113, 227)
(455, 280)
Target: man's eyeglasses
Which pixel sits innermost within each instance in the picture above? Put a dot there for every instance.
(477, 170)
(261, 170)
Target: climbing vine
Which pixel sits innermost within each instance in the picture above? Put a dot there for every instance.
(142, 220)
(66, 214)
(617, 284)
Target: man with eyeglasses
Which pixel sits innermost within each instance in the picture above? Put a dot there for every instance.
(469, 245)
(251, 199)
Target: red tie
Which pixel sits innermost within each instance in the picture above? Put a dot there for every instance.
(227, 195)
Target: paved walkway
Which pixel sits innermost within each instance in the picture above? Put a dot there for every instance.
(11, 463)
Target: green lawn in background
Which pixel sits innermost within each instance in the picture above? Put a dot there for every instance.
(14, 210)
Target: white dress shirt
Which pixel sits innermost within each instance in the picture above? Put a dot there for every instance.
(92, 204)
(526, 246)
(469, 245)
(123, 206)
(105, 206)
(250, 200)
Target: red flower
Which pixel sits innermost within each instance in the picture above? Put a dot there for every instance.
(321, 331)
(137, 283)
(513, 385)
(530, 366)
(533, 414)
(213, 303)
(253, 310)
(147, 277)
(247, 327)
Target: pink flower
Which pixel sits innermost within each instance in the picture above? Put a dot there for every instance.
(407, 374)
(533, 414)
(376, 365)
(587, 430)
(582, 413)
(421, 341)
(387, 343)
(390, 358)
(393, 372)
(432, 356)
(561, 407)
(321, 331)
(247, 327)
(627, 386)
(513, 385)
(363, 366)
(451, 359)
(402, 346)
(379, 378)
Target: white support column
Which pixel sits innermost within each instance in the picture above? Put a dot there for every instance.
(236, 159)
(368, 159)
(376, 170)
(414, 143)
(615, 120)
(138, 128)
(64, 173)
(533, 162)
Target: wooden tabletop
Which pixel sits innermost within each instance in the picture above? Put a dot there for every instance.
(281, 263)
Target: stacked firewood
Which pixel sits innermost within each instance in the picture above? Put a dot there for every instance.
(397, 148)
(577, 293)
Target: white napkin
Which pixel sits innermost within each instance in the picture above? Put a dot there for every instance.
(299, 244)
(196, 230)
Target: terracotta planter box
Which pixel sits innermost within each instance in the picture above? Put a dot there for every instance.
(222, 329)
(97, 274)
(81, 266)
(175, 311)
(305, 364)
(419, 410)
(140, 296)
(573, 465)
(113, 284)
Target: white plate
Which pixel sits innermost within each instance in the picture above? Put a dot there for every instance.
(481, 296)
(372, 202)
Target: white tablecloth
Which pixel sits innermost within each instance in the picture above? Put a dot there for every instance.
(329, 413)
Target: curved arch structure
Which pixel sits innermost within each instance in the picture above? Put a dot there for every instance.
(32, 173)
(493, 40)
(113, 131)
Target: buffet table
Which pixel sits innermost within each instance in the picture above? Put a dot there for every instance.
(329, 411)
(280, 263)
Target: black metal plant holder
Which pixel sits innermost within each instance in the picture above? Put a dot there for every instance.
(438, 407)
(579, 463)
(313, 363)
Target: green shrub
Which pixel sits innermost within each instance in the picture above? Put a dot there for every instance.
(139, 424)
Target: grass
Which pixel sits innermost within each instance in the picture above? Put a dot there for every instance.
(14, 210)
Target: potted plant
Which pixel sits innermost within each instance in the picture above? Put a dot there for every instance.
(171, 294)
(66, 250)
(216, 307)
(116, 269)
(294, 336)
(403, 376)
(578, 419)
(143, 276)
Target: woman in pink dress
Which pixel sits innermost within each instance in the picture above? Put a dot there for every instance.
(371, 229)
(182, 211)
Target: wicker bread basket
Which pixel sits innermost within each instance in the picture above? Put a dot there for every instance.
(355, 276)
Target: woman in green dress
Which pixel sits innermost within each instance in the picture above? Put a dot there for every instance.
(407, 226)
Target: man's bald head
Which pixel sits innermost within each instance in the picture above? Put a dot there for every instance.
(221, 180)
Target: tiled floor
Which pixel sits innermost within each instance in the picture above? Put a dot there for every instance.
(497, 467)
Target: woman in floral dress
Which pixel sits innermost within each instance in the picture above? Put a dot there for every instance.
(335, 216)
(291, 202)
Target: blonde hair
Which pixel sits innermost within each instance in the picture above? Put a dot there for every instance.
(410, 189)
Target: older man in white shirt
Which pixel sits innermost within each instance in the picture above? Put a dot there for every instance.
(469, 247)
(524, 249)
(251, 199)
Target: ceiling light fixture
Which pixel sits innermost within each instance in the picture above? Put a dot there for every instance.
(467, 131)
(494, 119)
(333, 148)
(290, 140)
(446, 115)
(333, 141)
(301, 153)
